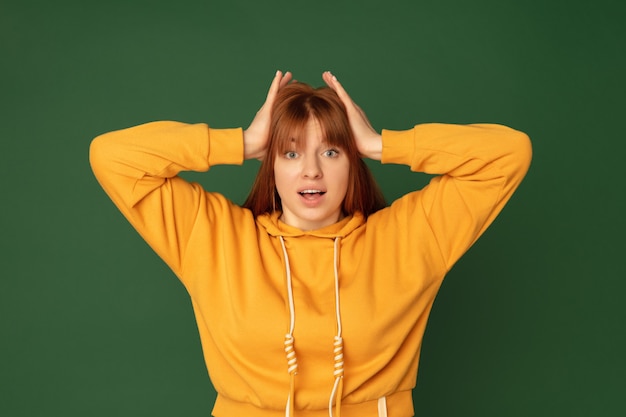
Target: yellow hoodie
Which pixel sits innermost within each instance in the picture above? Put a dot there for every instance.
(265, 294)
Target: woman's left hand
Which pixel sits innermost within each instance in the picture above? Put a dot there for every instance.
(369, 142)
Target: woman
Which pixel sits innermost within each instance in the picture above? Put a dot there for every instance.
(312, 298)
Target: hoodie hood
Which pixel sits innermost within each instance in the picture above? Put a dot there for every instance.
(341, 229)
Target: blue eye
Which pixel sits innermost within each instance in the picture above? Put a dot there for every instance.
(331, 153)
(291, 155)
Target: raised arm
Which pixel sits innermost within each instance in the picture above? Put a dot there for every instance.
(138, 168)
(478, 168)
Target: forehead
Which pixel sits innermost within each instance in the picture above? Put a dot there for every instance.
(313, 132)
(310, 132)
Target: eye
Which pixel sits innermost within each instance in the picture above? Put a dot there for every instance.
(291, 154)
(331, 153)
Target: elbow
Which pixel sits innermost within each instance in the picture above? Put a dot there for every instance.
(518, 157)
(98, 151)
(523, 150)
(95, 151)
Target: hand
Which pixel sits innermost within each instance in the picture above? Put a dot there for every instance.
(255, 137)
(368, 141)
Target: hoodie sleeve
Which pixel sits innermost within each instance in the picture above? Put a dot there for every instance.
(138, 168)
(478, 168)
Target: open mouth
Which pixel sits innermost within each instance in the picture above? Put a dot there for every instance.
(311, 194)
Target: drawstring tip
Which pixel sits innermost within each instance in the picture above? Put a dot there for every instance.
(338, 400)
(336, 396)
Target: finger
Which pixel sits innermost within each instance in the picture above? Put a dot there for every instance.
(274, 86)
(285, 79)
(328, 79)
(334, 83)
(351, 106)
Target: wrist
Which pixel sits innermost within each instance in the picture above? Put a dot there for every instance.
(250, 149)
(374, 148)
(225, 147)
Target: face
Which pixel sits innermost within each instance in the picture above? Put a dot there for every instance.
(312, 181)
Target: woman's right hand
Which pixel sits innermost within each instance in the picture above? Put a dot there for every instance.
(255, 137)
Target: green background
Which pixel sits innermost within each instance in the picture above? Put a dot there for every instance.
(530, 322)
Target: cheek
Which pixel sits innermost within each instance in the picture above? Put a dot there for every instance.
(281, 177)
(341, 176)
(343, 173)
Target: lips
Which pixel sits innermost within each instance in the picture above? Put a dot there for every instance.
(311, 196)
(309, 192)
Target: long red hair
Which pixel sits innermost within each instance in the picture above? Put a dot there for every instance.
(295, 104)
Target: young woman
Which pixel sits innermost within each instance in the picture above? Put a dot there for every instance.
(312, 298)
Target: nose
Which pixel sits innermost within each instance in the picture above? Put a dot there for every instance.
(311, 167)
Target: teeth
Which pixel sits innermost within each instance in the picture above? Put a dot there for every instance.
(310, 191)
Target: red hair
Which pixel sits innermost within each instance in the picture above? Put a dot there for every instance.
(295, 104)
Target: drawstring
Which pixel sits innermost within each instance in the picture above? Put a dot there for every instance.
(292, 364)
(337, 391)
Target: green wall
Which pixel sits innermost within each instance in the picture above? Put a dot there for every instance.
(530, 322)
